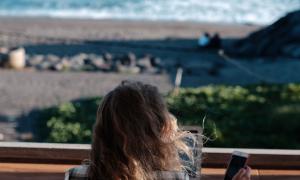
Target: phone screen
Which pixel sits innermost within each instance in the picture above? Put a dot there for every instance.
(236, 163)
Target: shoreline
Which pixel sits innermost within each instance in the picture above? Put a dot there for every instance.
(127, 20)
(29, 29)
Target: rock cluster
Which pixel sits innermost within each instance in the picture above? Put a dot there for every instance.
(282, 38)
(126, 63)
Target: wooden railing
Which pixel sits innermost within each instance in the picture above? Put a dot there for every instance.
(49, 161)
(74, 154)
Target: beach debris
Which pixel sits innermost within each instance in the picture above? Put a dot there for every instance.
(16, 58)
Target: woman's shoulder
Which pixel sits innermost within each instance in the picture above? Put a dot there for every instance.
(77, 173)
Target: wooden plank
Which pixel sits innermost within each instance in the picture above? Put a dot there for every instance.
(75, 153)
(10, 171)
(38, 168)
(59, 176)
(279, 174)
(50, 171)
(259, 158)
(43, 152)
(218, 174)
(31, 176)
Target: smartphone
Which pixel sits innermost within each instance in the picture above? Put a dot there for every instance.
(238, 161)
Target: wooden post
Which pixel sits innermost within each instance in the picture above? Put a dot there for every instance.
(178, 80)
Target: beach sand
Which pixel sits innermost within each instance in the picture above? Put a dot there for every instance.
(37, 30)
(65, 37)
(173, 42)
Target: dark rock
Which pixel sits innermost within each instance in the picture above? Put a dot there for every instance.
(75, 66)
(93, 62)
(105, 67)
(155, 62)
(98, 63)
(77, 62)
(128, 60)
(63, 64)
(52, 58)
(144, 63)
(3, 56)
(127, 69)
(35, 60)
(79, 59)
(108, 58)
(3, 59)
(57, 67)
(280, 38)
(45, 65)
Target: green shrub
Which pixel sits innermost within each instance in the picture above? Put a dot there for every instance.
(256, 116)
(68, 123)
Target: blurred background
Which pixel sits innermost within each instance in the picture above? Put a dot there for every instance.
(231, 67)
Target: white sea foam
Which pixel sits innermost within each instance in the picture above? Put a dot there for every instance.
(229, 11)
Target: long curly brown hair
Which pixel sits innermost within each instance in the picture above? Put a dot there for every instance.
(135, 135)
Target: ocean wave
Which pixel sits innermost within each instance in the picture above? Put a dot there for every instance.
(229, 11)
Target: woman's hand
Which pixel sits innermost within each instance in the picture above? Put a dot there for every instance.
(243, 174)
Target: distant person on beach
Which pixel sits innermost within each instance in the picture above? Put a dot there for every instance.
(136, 138)
(206, 41)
